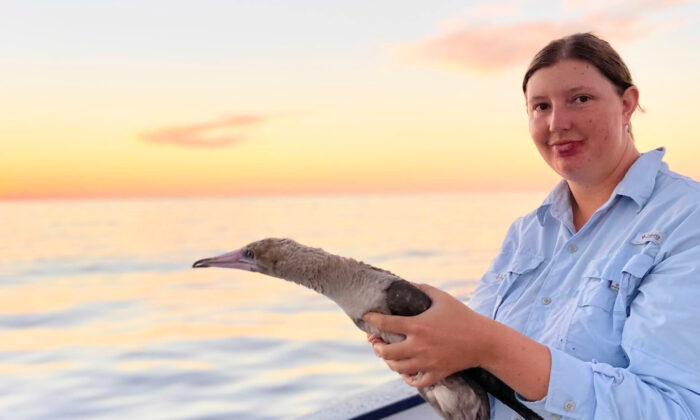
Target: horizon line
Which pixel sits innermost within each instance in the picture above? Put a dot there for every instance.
(156, 196)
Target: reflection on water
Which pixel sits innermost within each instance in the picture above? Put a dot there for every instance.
(101, 315)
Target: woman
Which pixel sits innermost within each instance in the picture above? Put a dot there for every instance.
(590, 311)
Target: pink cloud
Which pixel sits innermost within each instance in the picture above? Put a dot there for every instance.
(488, 47)
(482, 46)
(200, 135)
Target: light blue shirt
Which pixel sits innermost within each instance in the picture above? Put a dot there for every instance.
(617, 303)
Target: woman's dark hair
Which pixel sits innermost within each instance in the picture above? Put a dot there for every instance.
(586, 47)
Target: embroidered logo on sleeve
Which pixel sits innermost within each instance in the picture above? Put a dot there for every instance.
(643, 238)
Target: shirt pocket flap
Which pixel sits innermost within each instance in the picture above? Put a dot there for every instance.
(509, 267)
(603, 268)
(518, 262)
(605, 280)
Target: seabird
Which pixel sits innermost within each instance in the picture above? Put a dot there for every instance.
(359, 288)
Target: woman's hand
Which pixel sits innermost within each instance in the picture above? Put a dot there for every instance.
(446, 338)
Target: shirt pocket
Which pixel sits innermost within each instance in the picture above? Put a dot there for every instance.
(511, 269)
(608, 287)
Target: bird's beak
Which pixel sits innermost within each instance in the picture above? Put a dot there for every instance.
(234, 259)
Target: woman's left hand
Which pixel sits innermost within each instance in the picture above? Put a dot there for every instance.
(446, 338)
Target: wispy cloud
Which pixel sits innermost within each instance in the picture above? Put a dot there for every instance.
(212, 134)
(474, 42)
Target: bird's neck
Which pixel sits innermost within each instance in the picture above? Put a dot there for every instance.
(352, 285)
(312, 270)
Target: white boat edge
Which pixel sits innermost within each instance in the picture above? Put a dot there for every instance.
(392, 400)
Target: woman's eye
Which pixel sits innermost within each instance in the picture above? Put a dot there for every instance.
(581, 99)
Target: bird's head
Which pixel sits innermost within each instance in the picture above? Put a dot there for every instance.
(261, 256)
(283, 258)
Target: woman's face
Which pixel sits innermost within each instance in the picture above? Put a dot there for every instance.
(578, 120)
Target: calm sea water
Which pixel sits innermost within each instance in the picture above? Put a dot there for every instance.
(101, 316)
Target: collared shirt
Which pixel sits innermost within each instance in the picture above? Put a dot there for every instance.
(617, 303)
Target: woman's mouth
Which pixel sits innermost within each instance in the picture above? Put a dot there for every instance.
(567, 148)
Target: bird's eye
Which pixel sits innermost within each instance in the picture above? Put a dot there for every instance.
(248, 254)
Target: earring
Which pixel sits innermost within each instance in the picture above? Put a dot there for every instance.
(627, 128)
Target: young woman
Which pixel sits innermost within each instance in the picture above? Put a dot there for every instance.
(591, 310)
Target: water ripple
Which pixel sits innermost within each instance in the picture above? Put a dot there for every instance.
(67, 318)
(417, 253)
(91, 266)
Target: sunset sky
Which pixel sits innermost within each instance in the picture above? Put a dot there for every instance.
(180, 98)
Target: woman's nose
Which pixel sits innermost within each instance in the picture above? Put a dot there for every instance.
(559, 119)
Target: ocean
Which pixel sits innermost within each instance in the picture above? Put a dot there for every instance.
(102, 316)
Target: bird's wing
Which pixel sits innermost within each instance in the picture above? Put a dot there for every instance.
(405, 299)
(402, 297)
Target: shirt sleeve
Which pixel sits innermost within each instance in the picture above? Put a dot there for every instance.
(661, 337)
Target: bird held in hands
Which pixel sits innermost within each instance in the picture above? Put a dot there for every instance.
(359, 288)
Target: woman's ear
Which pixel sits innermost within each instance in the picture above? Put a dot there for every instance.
(630, 102)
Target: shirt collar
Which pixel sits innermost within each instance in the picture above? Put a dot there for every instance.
(638, 184)
(557, 201)
(640, 179)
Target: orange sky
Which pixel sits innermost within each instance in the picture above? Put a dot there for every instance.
(310, 97)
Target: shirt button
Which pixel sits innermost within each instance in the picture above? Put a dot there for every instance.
(546, 300)
(556, 417)
(573, 249)
(569, 406)
(500, 277)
